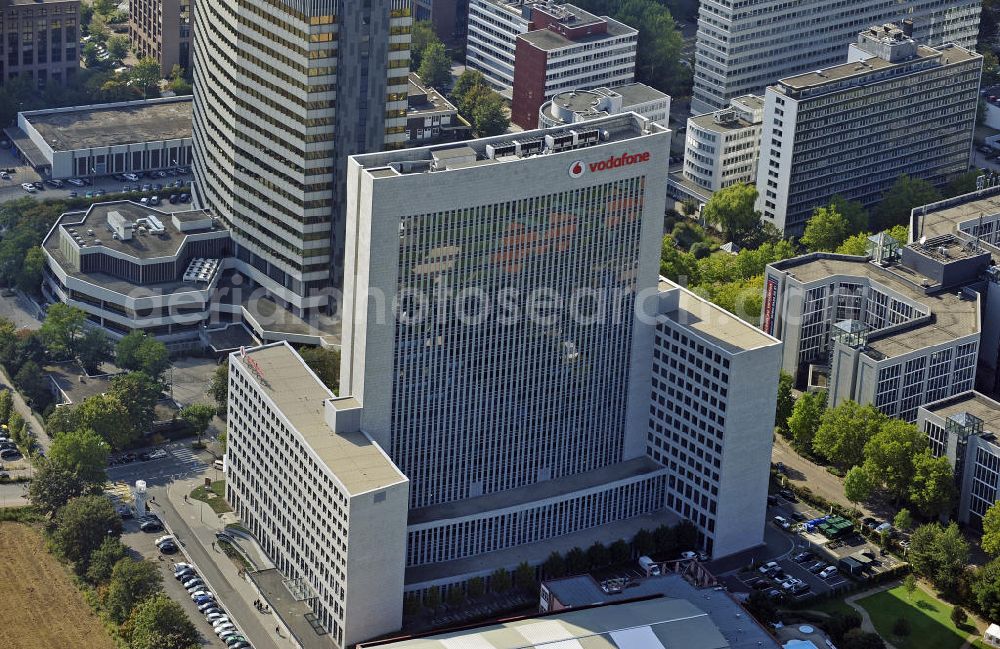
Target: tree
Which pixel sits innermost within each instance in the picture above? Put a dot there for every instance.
(686, 535)
(94, 348)
(760, 606)
(144, 74)
(985, 590)
(218, 389)
(840, 624)
(554, 566)
(597, 555)
(138, 352)
(62, 327)
(897, 203)
(524, 576)
(858, 639)
(500, 581)
(455, 595)
(32, 382)
(854, 213)
(576, 562)
(435, 66)
(910, 584)
(29, 278)
(161, 623)
(489, 117)
(476, 587)
(844, 431)
(643, 542)
(856, 244)
(785, 403)
(659, 45)
(52, 487)
(932, 490)
(807, 415)
(889, 456)
(62, 420)
(138, 393)
(825, 230)
(421, 36)
(81, 527)
(90, 54)
(991, 530)
(619, 552)
(432, 597)
(962, 184)
(958, 616)
(198, 416)
(84, 453)
(466, 83)
(117, 47)
(325, 363)
(732, 209)
(103, 560)
(940, 554)
(6, 404)
(665, 540)
(677, 266)
(903, 520)
(108, 417)
(131, 582)
(858, 485)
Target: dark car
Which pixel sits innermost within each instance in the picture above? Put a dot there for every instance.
(788, 495)
(803, 556)
(800, 588)
(150, 526)
(772, 500)
(185, 198)
(799, 516)
(38, 184)
(173, 199)
(760, 584)
(9, 454)
(775, 595)
(168, 547)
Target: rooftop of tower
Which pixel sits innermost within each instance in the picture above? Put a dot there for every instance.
(496, 150)
(297, 392)
(973, 403)
(84, 127)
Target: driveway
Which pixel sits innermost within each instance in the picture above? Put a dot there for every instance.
(21, 311)
(11, 189)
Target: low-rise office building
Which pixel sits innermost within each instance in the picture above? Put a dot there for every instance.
(130, 266)
(575, 106)
(721, 148)
(104, 139)
(161, 30)
(42, 41)
(897, 328)
(322, 499)
(964, 429)
(430, 117)
(896, 107)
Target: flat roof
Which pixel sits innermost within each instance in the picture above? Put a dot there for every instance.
(972, 402)
(148, 246)
(713, 323)
(738, 629)
(546, 39)
(944, 217)
(535, 492)
(74, 383)
(84, 127)
(953, 315)
(638, 93)
(949, 55)
(435, 104)
(354, 458)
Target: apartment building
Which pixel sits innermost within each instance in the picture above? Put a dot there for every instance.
(896, 107)
(161, 30)
(704, 424)
(575, 106)
(568, 49)
(275, 117)
(318, 495)
(721, 147)
(898, 328)
(42, 40)
(742, 47)
(964, 429)
(562, 47)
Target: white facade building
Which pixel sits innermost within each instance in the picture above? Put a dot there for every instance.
(743, 47)
(721, 148)
(852, 129)
(706, 422)
(319, 496)
(574, 106)
(493, 28)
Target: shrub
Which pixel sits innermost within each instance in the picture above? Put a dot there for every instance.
(958, 616)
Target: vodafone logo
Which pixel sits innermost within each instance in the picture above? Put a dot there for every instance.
(578, 168)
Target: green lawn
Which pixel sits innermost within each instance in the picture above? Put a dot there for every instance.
(831, 606)
(930, 621)
(216, 497)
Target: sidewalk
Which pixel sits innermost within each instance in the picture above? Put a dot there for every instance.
(22, 408)
(802, 472)
(195, 524)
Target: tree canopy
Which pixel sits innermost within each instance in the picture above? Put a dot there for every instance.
(991, 530)
(844, 431)
(421, 35)
(939, 554)
(141, 353)
(435, 66)
(160, 623)
(932, 490)
(84, 453)
(897, 203)
(732, 209)
(131, 582)
(325, 363)
(106, 415)
(62, 327)
(826, 230)
(889, 454)
(82, 525)
(806, 417)
(53, 486)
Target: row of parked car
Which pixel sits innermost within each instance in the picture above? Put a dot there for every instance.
(8, 449)
(223, 626)
(128, 458)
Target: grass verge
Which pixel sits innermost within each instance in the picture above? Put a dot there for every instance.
(214, 496)
(930, 619)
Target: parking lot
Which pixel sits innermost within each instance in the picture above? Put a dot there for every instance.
(818, 553)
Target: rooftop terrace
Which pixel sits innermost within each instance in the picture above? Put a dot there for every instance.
(83, 127)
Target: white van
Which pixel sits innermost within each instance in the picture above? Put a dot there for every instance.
(220, 465)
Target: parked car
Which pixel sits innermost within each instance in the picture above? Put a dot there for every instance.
(76, 182)
(130, 177)
(52, 182)
(9, 454)
(212, 617)
(788, 495)
(768, 566)
(760, 584)
(157, 454)
(781, 522)
(775, 595)
(801, 587)
(150, 525)
(202, 596)
(28, 187)
(185, 198)
(185, 575)
(237, 642)
(194, 586)
(208, 605)
(772, 499)
(169, 547)
(188, 583)
(803, 556)
(828, 572)
(155, 200)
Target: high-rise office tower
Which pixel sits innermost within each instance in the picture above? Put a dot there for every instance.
(285, 90)
(744, 46)
(896, 107)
